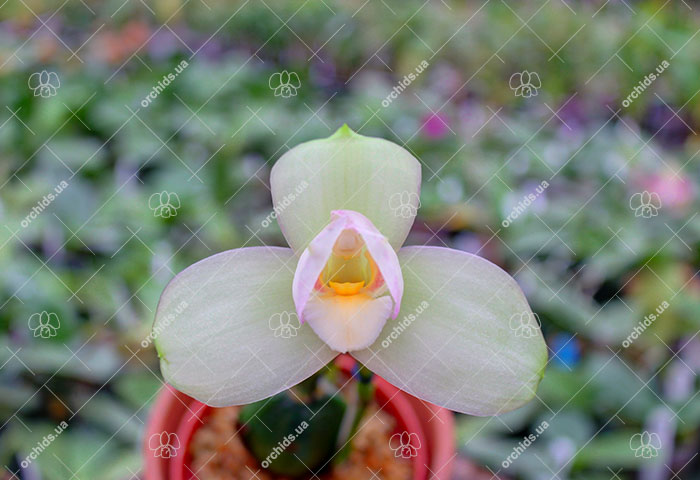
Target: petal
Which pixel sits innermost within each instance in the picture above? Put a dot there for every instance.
(345, 171)
(384, 256)
(213, 335)
(312, 262)
(453, 345)
(314, 258)
(348, 323)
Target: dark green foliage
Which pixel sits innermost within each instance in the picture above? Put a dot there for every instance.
(306, 446)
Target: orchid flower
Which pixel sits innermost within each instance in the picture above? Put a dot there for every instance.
(434, 322)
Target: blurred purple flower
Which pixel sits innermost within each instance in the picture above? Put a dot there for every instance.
(674, 191)
(163, 45)
(572, 114)
(324, 74)
(435, 126)
(669, 129)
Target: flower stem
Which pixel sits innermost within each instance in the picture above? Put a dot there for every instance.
(307, 388)
(365, 394)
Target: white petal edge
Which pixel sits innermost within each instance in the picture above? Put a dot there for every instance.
(345, 171)
(214, 334)
(312, 262)
(452, 344)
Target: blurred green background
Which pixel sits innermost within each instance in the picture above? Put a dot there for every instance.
(100, 253)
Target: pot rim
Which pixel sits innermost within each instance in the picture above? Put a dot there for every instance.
(171, 406)
(387, 397)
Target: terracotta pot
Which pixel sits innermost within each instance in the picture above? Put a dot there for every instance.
(175, 416)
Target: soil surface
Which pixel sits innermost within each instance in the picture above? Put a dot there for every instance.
(218, 452)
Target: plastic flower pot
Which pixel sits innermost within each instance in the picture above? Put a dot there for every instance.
(387, 396)
(175, 418)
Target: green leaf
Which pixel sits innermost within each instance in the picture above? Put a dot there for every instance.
(289, 437)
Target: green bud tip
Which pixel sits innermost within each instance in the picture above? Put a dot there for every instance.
(344, 132)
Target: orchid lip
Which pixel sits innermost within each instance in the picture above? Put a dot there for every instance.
(349, 259)
(349, 237)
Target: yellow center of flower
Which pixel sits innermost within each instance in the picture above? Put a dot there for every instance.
(350, 267)
(346, 288)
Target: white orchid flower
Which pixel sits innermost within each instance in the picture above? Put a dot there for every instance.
(351, 285)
